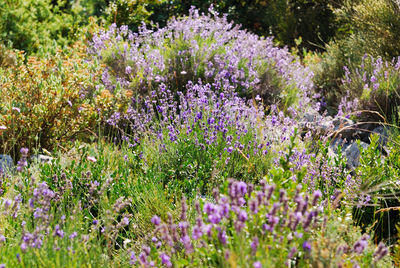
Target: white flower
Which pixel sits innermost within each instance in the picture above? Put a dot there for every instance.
(92, 159)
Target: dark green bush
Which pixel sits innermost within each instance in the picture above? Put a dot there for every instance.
(130, 12)
(35, 25)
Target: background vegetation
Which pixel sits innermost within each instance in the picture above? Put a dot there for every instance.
(176, 135)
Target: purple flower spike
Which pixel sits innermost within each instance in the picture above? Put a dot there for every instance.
(242, 216)
(156, 220)
(380, 252)
(316, 196)
(166, 260)
(306, 246)
(361, 244)
(254, 245)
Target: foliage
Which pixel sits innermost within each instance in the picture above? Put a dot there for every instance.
(311, 20)
(35, 25)
(378, 189)
(374, 24)
(365, 27)
(376, 84)
(132, 13)
(43, 101)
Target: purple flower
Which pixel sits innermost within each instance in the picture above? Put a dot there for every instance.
(155, 220)
(24, 246)
(73, 235)
(242, 215)
(257, 264)
(306, 246)
(242, 188)
(254, 245)
(125, 221)
(128, 70)
(133, 258)
(361, 244)
(222, 236)
(316, 196)
(166, 260)
(292, 253)
(380, 252)
(58, 232)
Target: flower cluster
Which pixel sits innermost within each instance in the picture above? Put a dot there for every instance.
(247, 221)
(375, 84)
(200, 47)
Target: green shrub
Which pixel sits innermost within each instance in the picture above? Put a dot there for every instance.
(130, 12)
(35, 25)
(375, 25)
(377, 205)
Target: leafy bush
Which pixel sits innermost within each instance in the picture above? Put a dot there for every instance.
(129, 12)
(378, 177)
(43, 101)
(328, 69)
(374, 24)
(36, 25)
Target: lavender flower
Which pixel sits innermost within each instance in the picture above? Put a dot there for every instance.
(166, 260)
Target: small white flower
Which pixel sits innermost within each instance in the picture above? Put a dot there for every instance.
(92, 159)
(126, 242)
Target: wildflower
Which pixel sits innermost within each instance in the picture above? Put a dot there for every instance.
(73, 235)
(380, 252)
(133, 259)
(257, 264)
(316, 196)
(92, 159)
(254, 245)
(155, 220)
(125, 221)
(166, 260)
(306, 246)
(128, 69)
(361, 244)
